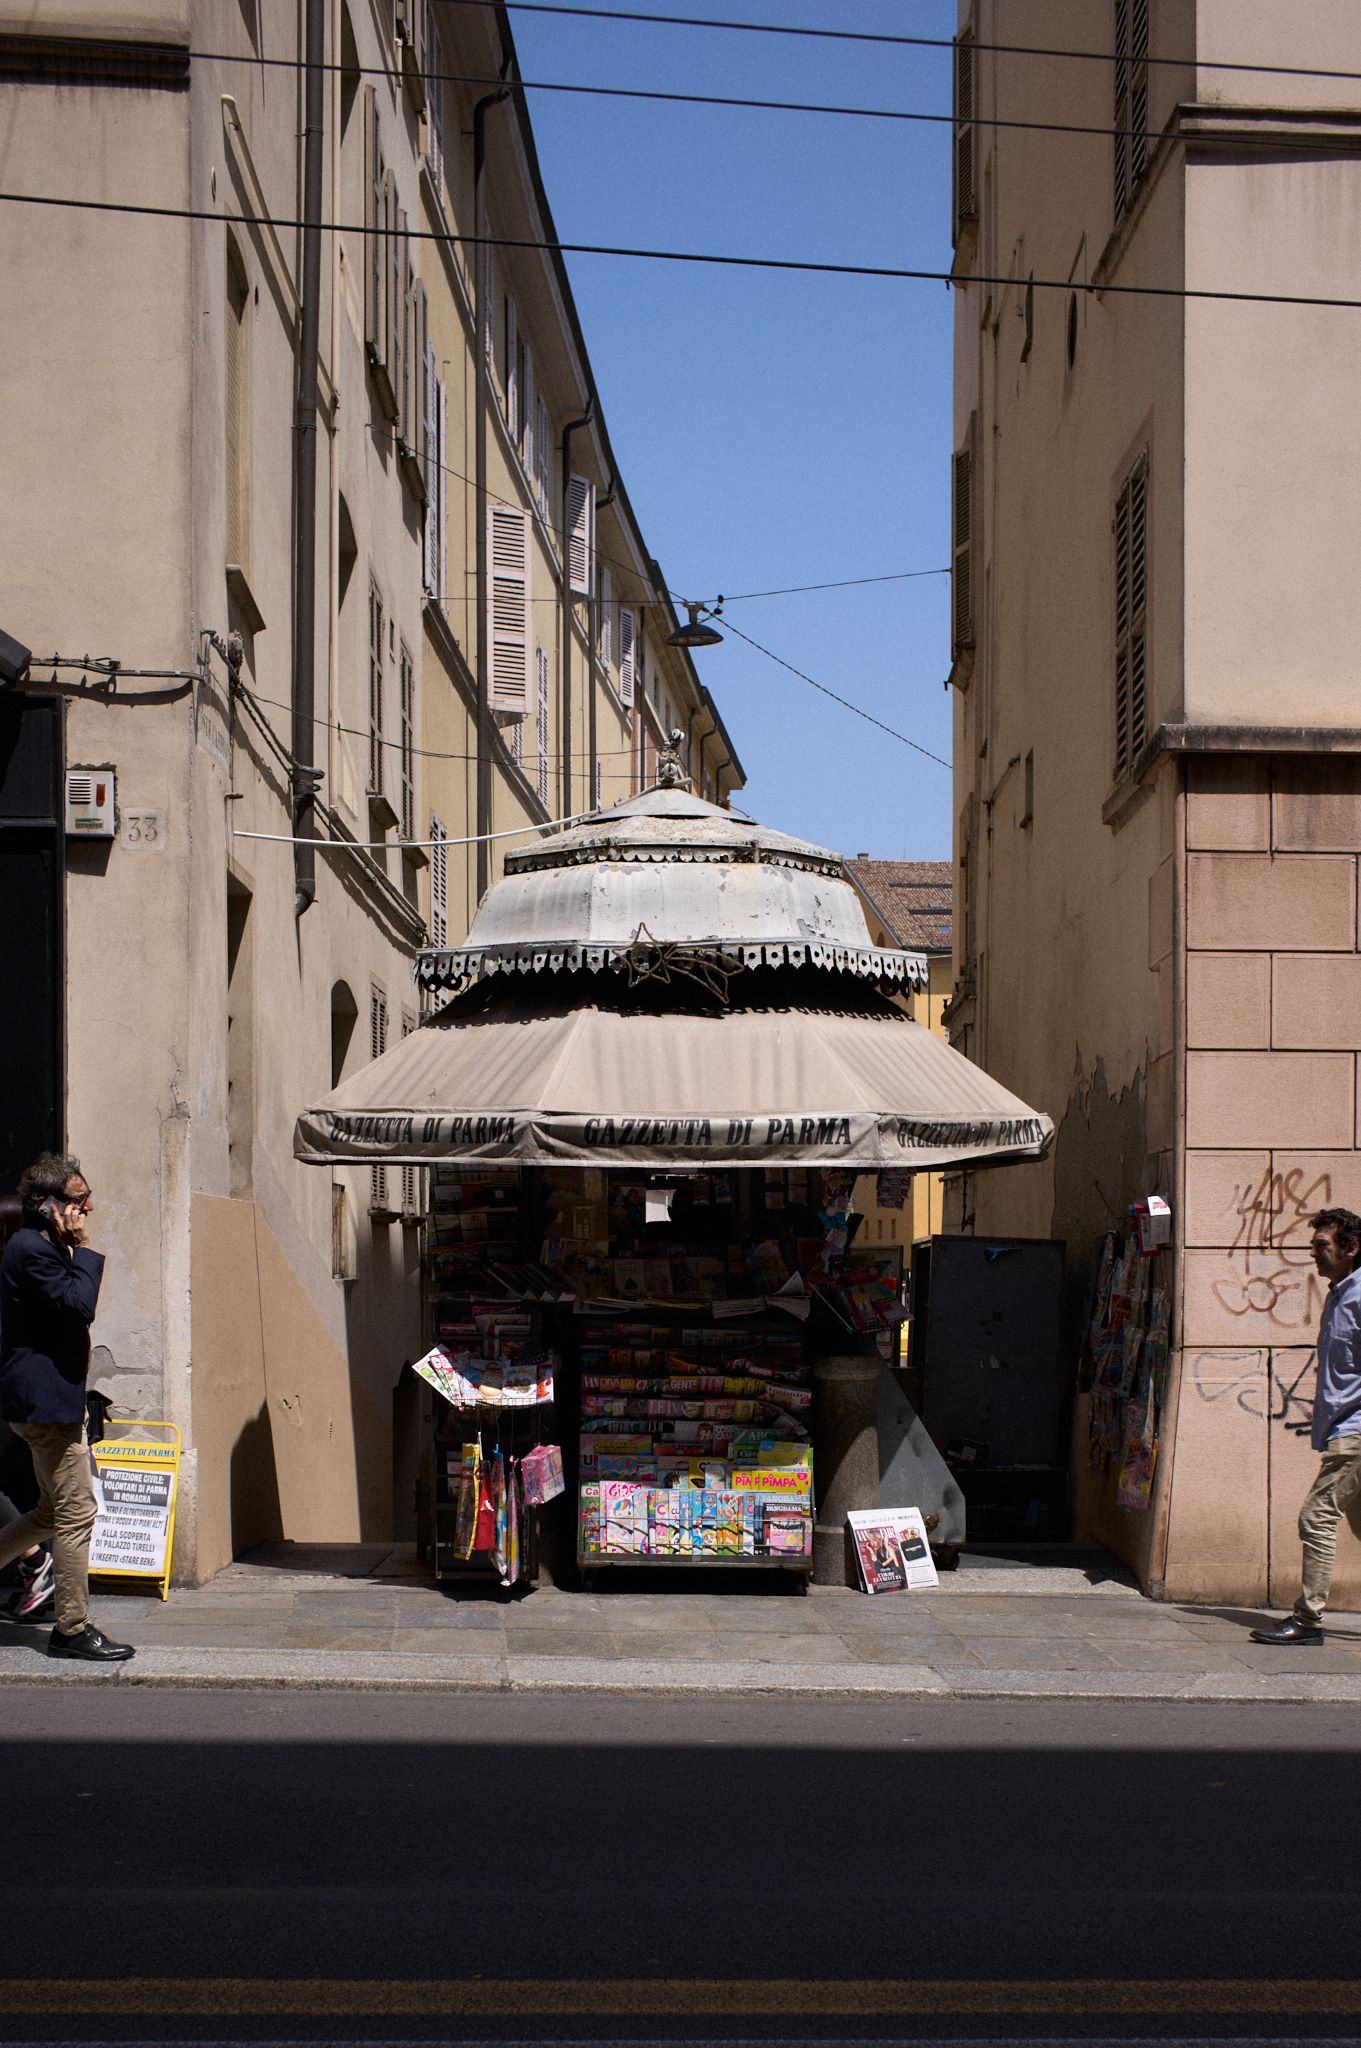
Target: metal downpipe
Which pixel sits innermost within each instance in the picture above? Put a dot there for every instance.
(306, 775)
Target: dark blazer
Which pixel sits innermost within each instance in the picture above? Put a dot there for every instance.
(47, 1304)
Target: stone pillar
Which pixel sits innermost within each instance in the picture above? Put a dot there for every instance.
(845, 1459)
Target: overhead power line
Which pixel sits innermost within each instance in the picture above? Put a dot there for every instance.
(846, 583)
(1103, 130)
(851, 35)
(844, 702)
(889, 273)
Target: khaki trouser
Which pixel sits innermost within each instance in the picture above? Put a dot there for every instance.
(64, 1516)
(1336, 1489)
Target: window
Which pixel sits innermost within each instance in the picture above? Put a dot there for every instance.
(238, 410)
(1131, 615)
(598, 783)
(434, 105)
(439, 883)
(965, 134)
(541, 735)
(375, 690)
(626, 644)
(508, 604)
(378, 1045)
(408, 736)
(542, 453)
(517, 742)
(1131, 100)
(962, 513)
(510, 369)
(435, 569)
(375, 253)
(604, 637)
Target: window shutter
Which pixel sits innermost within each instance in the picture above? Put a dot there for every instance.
(511, 381)
(541, 736)
(418, 378)
(409, 1205)
(599, 784)
(442, 588)
(1131, 611)
(606, 618)
(962, 619)
(406, 425)
(1130, 141)
(580, 536)
(527, 409)
(434, 475)
(434, 102)
(378, 1042)
(439, 883)
(543, 454)
(965, 133)
(485, 309)
(238, 413)
(626, 633)
(396, 279)
(373, 228)
(508, 608)
(376, 653)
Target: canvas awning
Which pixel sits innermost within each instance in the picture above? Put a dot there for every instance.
(569, 1073)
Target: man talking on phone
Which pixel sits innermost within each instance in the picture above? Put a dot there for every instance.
(49, 1286)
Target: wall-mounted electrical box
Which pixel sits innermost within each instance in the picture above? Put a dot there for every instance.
(90, 806)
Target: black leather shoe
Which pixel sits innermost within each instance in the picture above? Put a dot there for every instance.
(89, 1643)
(1291, 1630)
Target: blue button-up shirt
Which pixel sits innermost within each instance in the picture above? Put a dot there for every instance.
(1337, 1397)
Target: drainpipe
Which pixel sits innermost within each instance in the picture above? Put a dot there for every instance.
(593, 642)
(565, 620)
(306, 775)
(482, 404)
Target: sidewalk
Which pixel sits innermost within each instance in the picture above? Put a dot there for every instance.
(366, 1616)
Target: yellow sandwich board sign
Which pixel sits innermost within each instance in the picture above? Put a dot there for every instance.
(138, 1467)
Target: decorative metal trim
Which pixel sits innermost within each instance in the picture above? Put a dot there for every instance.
(597, 851)
(452, 967)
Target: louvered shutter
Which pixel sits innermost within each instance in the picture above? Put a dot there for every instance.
(606, 620)
(511, 381)
(434, 475)
(508, 608)
(965, 133)
(439, 883)
(374, 324)
(626, 645)
(378, 1041)
(406, 425)
(962, 612)
(1130, 142)
(434, 103)
(580, 536)
(543, 454)
(528, 403)
(485, 309)
(442, 588)
(418, 377)
(396, 279)
(237, 417)
(541, 736)
(1131, 611)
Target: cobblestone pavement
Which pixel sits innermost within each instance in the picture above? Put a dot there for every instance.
(1071, 1624)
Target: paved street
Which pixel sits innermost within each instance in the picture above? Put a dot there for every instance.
(275, 1865)
(1074, 1626)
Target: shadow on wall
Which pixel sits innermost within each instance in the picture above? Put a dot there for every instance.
(1101, 1165)
(256, 1511)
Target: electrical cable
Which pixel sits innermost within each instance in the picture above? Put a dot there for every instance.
(400, 845)
(846, 35)
(433, 753)
(891, 273)
(845, 702)
(1104, 130)
(847, 583)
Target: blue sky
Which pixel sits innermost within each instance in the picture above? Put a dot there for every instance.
(774, 428)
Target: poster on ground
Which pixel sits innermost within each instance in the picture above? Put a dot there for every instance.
(891, 1549)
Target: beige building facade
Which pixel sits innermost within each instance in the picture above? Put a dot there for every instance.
(467, 543)
(1158, 784)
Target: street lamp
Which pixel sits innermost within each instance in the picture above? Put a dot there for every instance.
(696, 633)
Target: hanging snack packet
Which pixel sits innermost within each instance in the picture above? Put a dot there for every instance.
(469, 1493)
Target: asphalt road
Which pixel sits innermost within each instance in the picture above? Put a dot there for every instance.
(362, 1867)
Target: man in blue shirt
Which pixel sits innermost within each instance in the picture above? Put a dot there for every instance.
(49, 1285)
(1336, 1246)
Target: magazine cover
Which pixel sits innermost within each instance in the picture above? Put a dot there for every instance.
(891, 1549)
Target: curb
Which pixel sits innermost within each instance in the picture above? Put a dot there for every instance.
(382, 1671)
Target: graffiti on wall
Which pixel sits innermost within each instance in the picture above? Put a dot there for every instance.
(1267, 1268)
(1274, 1387)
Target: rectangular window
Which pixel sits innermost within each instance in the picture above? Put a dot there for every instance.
(965, 133)
(1131, 619)
(434, 105)
(439, 883)
(378, 1045)
(1131, 100)
(606, 602)
(434, 475)
(408, 718)
(580, 536)
(375, 271)
(508, 604)
(510, 369)
(541, 735)
(626, 643)
(375, 690)
(542, 453)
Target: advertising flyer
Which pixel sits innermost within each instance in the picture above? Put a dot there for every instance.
(891, 1549)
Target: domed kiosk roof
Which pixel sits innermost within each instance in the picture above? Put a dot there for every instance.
(667, 873)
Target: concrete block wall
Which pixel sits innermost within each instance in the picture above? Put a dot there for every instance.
(1272, 1134)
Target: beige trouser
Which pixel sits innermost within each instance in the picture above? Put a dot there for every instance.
(1336, 1489)
(64, 1516)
